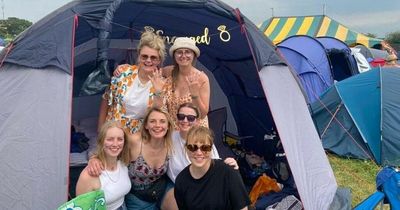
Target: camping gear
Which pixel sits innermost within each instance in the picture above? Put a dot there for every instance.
(388, 190)
(263, 186)
(279, 28)
(358, 117)
(56, 70)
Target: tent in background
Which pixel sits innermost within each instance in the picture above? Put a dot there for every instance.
(318, 62)
(278, 28)
(52, 65)
(359, 116)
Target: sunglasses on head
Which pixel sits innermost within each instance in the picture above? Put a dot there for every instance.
(203, 148)
(189, 117)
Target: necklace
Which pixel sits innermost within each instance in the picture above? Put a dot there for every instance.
(114, 179)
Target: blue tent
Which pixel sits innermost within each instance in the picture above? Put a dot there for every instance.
(55, 71)
(343, 63)
(318, 61)
(359, 116)
(308, 59)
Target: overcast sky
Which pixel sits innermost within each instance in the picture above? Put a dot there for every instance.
(365, 16)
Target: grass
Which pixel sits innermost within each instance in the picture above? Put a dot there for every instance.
(358, 175)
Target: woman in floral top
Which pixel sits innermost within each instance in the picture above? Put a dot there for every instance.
(137, 87)
(186, 84)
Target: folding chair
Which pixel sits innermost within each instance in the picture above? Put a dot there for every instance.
(217, 123)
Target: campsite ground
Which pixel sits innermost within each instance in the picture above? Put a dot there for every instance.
(358, 175)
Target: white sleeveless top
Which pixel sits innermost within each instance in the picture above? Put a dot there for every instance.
(116, 185)
(137, 99)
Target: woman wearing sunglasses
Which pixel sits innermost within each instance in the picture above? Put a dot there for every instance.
(187, 117)
(208, 183)
(136, 87)
(186, 84)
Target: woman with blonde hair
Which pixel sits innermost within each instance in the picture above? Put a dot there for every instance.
(137, 87)
(113, 153)
(149, 151)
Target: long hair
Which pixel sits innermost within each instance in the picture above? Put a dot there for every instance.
(146, 134)
(153, 41)
(124, 155)
(175, 70)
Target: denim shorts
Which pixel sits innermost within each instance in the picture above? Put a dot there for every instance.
(132, 202)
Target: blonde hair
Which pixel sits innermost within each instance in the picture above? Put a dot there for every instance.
(153, 41)
(124, 155)
(201, 134)
(146, 134)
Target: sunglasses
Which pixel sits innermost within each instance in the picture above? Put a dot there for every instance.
(190, 118)
(152, 58)
(203, 148)
(187, 53)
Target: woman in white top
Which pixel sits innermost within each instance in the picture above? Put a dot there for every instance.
(188, 115)
(113, 152)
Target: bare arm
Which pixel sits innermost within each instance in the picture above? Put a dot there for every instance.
(86, 183)
(102, 113)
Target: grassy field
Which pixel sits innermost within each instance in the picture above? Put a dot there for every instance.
(358, 175)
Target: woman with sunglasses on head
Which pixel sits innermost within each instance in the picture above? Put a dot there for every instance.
(208, 183)
(137, 87)
(113, 152)
(186, 84)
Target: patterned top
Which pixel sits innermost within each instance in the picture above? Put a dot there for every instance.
(115, 97)
(172, 102)
(141, 174)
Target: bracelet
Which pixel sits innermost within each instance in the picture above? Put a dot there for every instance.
(158, 93)
(194, 97)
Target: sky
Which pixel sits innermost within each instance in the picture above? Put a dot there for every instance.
(365, 16)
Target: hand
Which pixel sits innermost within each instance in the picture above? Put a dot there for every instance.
(193, 82)
(231, 162)
(94, 167)
(157, 80)
(117, 72)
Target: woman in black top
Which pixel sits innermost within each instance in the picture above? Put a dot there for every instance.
(207, 183)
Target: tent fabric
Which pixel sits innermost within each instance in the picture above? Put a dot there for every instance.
(372, 132)
(41, 63)
(318, 62)
(309, 164)
(343, 63)
(34, 137)
(279, 28)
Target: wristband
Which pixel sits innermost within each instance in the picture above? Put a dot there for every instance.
(158, 93)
